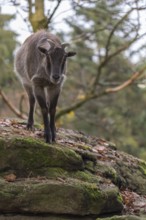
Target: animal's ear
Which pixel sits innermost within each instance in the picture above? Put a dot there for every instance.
(71, 54)
(45, 47)
(64, 45)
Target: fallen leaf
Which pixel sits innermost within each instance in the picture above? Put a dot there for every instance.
(10, 177)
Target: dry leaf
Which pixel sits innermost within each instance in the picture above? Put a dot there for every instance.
(10, 178)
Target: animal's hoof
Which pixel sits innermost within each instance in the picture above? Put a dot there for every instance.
(48, 138)
(48, 141)
(53, 140)
(30, 127)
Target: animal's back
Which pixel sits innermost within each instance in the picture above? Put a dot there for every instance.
(28, 58)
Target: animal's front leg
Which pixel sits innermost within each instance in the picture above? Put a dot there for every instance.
(53, 94)
(40, 96)
(52, 122)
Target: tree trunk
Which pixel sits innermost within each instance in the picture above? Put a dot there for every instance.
(37, 18)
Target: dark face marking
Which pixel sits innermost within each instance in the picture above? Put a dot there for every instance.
(57, 60)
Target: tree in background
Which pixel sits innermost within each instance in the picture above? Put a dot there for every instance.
(7, 47)
(103, 33)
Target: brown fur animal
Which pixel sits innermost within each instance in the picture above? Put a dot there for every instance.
(40, 64)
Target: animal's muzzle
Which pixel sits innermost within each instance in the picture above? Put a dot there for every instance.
(56, 77)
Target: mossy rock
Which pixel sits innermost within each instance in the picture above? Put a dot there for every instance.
(58, 197)
(77, 176)
(131, 175)
(65, 188)
(26, 155)
(125, 217)
(84, 175)
(51, 217)
(107, 171)
(125, 171)
(42, 217)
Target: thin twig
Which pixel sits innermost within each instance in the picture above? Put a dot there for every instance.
(54, 11)
(11, 106)
(114, 29)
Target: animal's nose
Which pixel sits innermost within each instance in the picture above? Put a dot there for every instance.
(56, 77)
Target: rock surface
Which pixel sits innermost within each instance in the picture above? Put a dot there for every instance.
(125, 217)
(79, 177)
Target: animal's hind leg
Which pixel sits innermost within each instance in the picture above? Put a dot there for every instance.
(31, 98)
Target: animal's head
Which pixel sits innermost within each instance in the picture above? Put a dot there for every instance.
(56, 59)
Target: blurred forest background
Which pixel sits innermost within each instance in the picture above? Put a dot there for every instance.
(105, 91)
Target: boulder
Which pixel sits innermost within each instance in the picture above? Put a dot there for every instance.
(78, 177)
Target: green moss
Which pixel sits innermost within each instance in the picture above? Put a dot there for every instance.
(93, 197)
(125, 217)
(56, 172)
(142, 167)
(90, 166)
(2, 142)
(119, 198)
(27, 155)
(114, 198)
(85, 176)
(111, 173)
(27, 142)
(3, 155)
(84, 147)
(107, 171)
(93, 191)
(107, 198)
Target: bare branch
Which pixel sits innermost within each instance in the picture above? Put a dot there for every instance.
(107, 91)
(54, 11)
(107, 59)
(87, 35)
(22, 98)
(126, 83)
(11, 106)
(114, 29)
